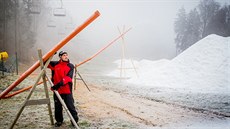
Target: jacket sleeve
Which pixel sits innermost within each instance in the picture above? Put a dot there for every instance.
(68, 78)
(52, 64)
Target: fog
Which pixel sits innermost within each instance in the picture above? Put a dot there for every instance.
(151, 37)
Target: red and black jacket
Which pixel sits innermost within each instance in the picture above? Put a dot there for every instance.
(62, 71)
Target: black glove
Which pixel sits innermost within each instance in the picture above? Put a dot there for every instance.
(57, 86)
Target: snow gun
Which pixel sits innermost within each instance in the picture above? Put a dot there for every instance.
(3, 56)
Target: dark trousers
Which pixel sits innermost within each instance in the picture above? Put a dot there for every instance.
(69, 101)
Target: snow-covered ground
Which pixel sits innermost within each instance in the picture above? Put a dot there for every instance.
(198, 78)
(203, 68)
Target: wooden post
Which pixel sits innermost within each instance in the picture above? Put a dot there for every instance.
(75, 77)
(124, 49)
(77, 73)
(32, 102)
(63, 104)
(122, 70)
(45, 86)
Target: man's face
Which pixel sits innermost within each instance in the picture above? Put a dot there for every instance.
(64, 57)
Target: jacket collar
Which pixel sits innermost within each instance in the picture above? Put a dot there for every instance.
(60, 61)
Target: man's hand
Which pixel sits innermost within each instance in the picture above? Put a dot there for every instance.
(57, 86)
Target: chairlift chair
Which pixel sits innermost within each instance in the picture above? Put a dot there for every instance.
(61, 33)
(69, 26)
(35, 7)
(51, 23)
(59, 11)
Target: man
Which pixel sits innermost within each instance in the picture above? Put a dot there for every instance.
(62, 74)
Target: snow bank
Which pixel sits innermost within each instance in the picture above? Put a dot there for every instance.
(126, 68)
(204, 67)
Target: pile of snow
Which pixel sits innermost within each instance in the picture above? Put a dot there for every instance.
(204, 67)
(127, 68)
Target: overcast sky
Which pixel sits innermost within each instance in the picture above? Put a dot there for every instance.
(152, 22)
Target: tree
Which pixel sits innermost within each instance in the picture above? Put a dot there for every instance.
(187, 29)
(218, 23)
(227, 20)
(207, 18)
(6, 13)
(180, 29)
(208, 9)
(193, 31)
(16, 34)
(26, 36)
